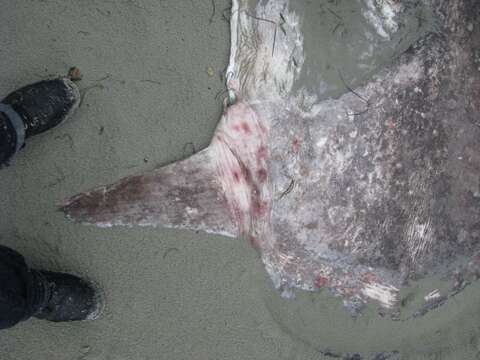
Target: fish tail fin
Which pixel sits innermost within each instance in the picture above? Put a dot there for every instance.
(184, 194)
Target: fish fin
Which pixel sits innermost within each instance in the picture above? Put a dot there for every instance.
(184, 194)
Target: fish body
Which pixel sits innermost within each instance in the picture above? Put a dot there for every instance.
(357, 194)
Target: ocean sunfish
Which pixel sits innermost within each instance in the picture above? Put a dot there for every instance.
(357, 193)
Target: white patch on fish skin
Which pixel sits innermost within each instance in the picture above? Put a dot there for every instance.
(273, 56)
(433, 295)
(191, 211)
(381, 15)
(420, 236)
(321, 142)
(386, 295)
(408, 73)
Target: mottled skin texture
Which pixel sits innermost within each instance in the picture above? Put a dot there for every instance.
(357, 194)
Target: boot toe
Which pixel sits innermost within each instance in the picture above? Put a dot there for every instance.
(71, 299)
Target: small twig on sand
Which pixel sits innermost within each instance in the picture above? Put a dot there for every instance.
(151, 81)
(335, 14)
(108, 76)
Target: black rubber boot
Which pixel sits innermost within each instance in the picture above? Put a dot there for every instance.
(69, 298)
(44, 104)
(8, 138)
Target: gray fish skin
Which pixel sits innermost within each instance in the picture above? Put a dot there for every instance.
(357, 194)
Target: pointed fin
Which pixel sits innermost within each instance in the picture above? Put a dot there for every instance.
(184, 194)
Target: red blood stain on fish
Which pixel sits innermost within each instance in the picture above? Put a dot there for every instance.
(246, 174)
(236, 176)
(254, 241)
(391, 124)
(246, 128)
(296, 143)
(321, 281)
(262, 152)
(369, 277)
(262, 175)
(259, 207)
